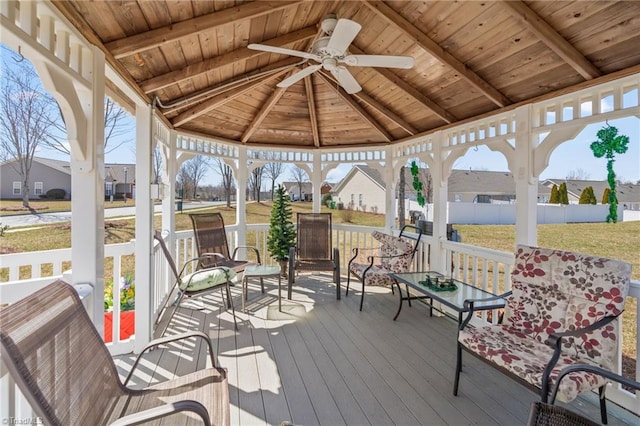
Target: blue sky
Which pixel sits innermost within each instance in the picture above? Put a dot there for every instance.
(569, 156)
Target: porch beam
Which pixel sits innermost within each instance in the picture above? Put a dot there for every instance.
(265, 110)
(313, 116)
(434, 49)
(526, 182)
(552, 39)
(354, 106)
(214, 64)
(170, 33)
(427, 103)
(175, 105)
(221, 99)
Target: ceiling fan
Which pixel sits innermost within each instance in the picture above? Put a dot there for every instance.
(330, 51)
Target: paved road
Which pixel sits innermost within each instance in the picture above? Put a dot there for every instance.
(35, 219)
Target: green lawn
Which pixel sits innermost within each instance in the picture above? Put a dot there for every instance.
(618, 241)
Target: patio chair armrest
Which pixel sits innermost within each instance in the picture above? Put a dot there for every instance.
(254, 249)
(469, 306)
(163, 411)
(555, 341)
(168, 339)
(593, 369)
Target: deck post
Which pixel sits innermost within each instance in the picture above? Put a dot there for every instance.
(241, 197)
(526, 182)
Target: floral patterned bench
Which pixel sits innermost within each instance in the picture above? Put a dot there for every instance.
(562, 311)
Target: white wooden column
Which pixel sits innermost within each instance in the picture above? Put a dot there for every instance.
(241, 197)
(439, 176)
(526, 182)
(170, 170)
(390, 192)
(144, 226)
(316, 182)
(82, 106)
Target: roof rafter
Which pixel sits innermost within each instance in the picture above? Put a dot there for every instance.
(354, 105)
(265, 110)
(169, 33)
(445, 115)
(221, 99)
(553, 40)
(212, 64)
(176, 105)
(392, 116)
(434, 49)
(313, 116)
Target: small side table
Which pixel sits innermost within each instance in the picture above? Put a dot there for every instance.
(261, 271)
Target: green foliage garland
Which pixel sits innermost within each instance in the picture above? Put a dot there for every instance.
(282, 233)
(417, 184)
(608, 144)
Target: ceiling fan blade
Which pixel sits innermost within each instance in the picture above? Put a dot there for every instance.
(283, 51)
(292, 79)
(386, 61)
(346, 80)
(343, 34)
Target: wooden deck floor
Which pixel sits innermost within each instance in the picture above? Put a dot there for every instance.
(321, 361)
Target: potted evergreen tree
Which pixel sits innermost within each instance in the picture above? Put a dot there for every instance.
(282, 233)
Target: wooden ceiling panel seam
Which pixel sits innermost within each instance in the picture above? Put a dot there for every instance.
(211, 64)
(162, 35)
(177, 104)
(553, 40)
(265, 109)
(355, 106)
(311, 104)
(220, 99)
(447, 58)
(380, 108)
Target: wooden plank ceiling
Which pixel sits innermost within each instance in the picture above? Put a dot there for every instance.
(471, 58)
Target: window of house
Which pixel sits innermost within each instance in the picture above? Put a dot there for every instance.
(457, 198)
(17, 188)
(108, 188)
(360, 199)
(37, 188)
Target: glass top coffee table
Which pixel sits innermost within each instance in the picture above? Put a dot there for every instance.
(454, 294)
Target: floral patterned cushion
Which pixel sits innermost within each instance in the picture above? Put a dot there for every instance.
(555, 291)
(389, 246)
(527, 358)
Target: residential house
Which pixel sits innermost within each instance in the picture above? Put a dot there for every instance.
(296, 192)
(363, 188)
(628, 194)
(47, 173)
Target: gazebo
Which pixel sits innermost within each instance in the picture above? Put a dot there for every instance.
(520, 77)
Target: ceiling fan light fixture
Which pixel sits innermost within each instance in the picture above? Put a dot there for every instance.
(329, 23)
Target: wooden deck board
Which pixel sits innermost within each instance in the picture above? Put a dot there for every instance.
(322, 361)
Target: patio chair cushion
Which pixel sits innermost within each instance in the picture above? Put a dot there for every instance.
(555, 291)
(526, 358)
(378, 274)
(208, 278)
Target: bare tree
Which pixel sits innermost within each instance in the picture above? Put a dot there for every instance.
(578, 174)
(157, 164)
(300, 177)
(183, 181)
(29, 118)
(273, 171)
(255, 182)
(194, 171)
(226, 173)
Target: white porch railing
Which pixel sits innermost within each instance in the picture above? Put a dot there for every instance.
(485, 268)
